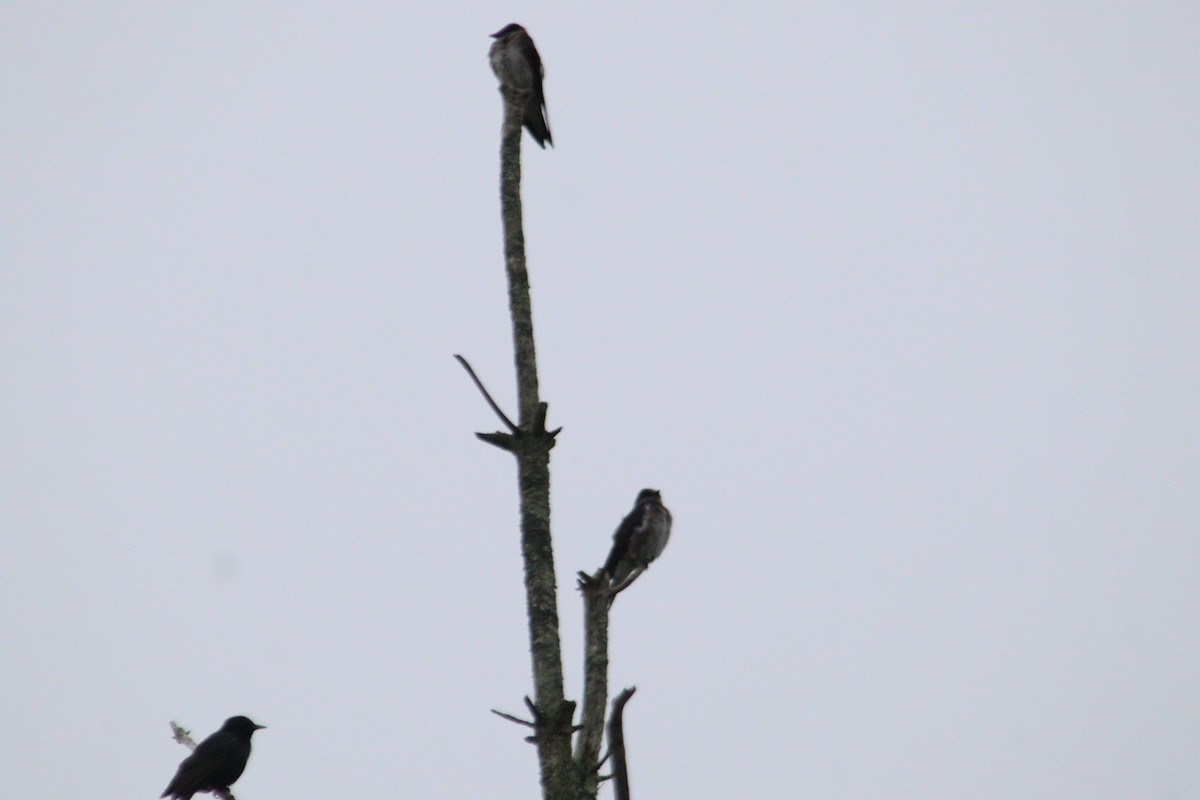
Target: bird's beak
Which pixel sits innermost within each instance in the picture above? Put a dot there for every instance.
(259, 727)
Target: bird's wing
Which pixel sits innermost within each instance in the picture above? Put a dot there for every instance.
(624, 538)
(620, 546)
(529, 51)
(192, 774)
(539, 73)
(210, 758)
(217, 747)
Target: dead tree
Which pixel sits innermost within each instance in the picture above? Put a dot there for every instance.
(565, 774)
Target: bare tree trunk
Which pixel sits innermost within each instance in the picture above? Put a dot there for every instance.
(531, 444)
(563, 776)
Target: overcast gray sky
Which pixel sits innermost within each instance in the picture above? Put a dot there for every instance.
(898, 306)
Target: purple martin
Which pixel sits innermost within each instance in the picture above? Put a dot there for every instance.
(640, 538)
(519, 67)
(216, 762)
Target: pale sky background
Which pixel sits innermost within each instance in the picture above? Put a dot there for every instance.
(898, 305)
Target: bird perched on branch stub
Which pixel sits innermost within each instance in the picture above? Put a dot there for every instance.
(216, 762)
(640, 538)
(519, 67)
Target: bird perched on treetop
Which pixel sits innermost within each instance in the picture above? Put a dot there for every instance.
(216, 762)
(518, 66)
(640, 538)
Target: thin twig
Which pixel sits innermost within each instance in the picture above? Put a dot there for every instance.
(498, 439)
(511, 718)
(486, 395)
(182, 736)
(536, 724)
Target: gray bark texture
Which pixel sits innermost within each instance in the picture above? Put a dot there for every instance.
(564, 776)
(531, 445)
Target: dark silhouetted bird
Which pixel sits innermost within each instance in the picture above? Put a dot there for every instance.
(216, 762)
(518, 66)
(641, 537)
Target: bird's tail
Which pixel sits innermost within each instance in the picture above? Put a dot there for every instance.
(620, 572)
(535, 123)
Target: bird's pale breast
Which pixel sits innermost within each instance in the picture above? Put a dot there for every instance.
(511, 67)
